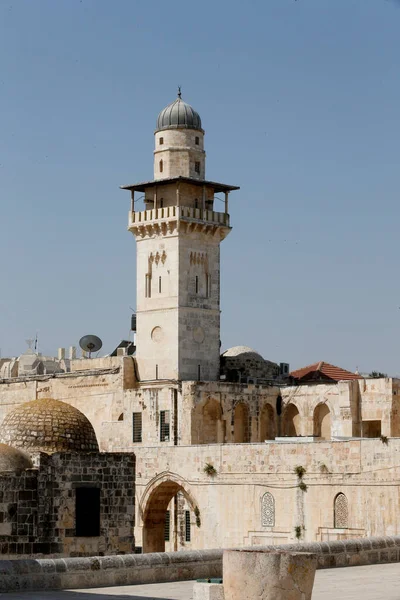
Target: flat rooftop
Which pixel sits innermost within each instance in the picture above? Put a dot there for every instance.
(372, 582)
(143, 185)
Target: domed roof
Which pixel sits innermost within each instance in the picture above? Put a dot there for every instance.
(237, 351)
(178, 115)
(12, 459)
(48, 425)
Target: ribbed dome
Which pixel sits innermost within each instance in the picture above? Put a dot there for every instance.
(12, 459)
(178, 115)
(50, 426)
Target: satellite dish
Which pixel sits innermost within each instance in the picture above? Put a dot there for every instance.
(90, 343)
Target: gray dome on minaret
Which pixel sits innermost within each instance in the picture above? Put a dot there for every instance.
(178, 115)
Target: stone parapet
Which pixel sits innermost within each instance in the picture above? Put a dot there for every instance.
(130, 569)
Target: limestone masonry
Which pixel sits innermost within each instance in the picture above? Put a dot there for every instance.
(178, 446)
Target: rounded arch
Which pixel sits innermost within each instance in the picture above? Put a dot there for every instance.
(161, 166)
(154, 504)
(322, 421)
(208, 427)
(267, 429)
(241, 431)
(291, 421)
(212, 414)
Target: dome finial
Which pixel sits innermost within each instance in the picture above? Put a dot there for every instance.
(179, 92)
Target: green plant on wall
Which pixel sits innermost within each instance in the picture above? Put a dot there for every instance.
(299, 531)
(210, 470)
(300, 471)
(303, 486)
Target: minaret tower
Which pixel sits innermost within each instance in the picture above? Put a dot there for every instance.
(178, 259)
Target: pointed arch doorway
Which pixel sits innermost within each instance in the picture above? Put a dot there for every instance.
(156, 500)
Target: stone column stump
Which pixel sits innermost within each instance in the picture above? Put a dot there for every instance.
(268, 575)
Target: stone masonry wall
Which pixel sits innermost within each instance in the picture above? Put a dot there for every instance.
(73, 573)
(115, 476)
(19, 513)
(231, 502)
(37, 506)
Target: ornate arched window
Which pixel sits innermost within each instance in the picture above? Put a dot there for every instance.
(341, 512)
(267, 510)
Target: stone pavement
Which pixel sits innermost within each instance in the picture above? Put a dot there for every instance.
(372, 582)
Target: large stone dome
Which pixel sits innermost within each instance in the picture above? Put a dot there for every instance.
(13, 459)
(178, 115)
(48, 425)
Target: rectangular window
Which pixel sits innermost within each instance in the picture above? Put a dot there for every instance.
(159, 285)
(87, 512)
(156, 371)
(187, 526)
(164, 425)
(161, 141)
(197, 140)
(167, 526)
(208, 286)
(137, 427)
(198, 372)
(197, 284)
(197, 167)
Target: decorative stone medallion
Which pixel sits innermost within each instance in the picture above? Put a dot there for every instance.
(157, 334)
(198, 335)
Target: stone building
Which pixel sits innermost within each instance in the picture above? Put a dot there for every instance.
(230, 449)
(59, 495)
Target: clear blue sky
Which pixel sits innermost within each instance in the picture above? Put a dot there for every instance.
(300, 101)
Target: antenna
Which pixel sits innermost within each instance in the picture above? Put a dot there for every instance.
(90, 343)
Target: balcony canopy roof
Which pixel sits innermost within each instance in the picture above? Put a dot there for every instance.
(141, 187)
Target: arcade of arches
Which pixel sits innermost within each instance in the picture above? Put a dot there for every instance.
(211, 424)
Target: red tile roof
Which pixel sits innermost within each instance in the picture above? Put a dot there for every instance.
(324, 371)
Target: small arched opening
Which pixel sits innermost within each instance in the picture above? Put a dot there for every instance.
(267, 423)
(155, 513)
(341, 512)
(322, 422)
(161, 165)
(211, 422)
(291, 424)
(241, 432)
(208, 427)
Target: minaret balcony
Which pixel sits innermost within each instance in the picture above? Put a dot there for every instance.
(178, 213)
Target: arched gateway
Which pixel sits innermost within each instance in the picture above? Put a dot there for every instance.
(154, 504)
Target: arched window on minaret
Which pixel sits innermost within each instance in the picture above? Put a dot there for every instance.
(161, 166)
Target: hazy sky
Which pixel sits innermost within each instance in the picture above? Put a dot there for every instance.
(300, 100)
